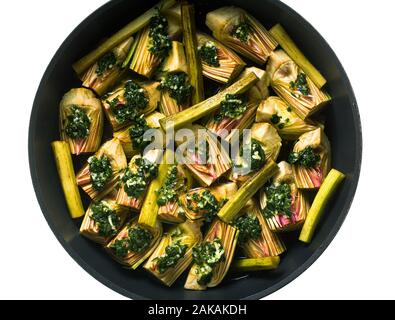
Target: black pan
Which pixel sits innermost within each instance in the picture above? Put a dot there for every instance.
(342, 126)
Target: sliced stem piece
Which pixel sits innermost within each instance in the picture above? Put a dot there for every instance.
(290, 47)
(127, 31)
(231, 208)
(258, 264)
(327, 189)
(66, 173)
(206, 107)
(191, 50)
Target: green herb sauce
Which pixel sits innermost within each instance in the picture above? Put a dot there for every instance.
(135, 102)
(206, 255)
(77, 124)
(306, 158)
(242, 32)
(137, 241)
(136, 133)
(160, 42)
(106, 219)
(136, 183)
(204, 202)
(249, 228)
(173, 253)
(278, 200)
(232, 107)
(168, 192)
(209, 54)
(300, 84)
(106, 63)
(100, 171)
(177, 86)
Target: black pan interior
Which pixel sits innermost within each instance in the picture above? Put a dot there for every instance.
(342, 127)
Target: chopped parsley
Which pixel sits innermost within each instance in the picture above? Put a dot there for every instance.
(137, 241)
(173, 253)
(278, 200)
(168, 192)
(135, 102)
(257, 154)
(300, 84)
(160, 42)
(232, 107)
(106, 63)
(136, 133)
(136, 183)
(208, 53)
(177, 86)
(249, 228)
(306, 158)
(100, 171)
(277, 121)
(206, 255)
(106, 219)
(204, 203)
(78, 123)
(242, 31)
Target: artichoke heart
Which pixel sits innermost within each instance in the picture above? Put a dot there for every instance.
(103, 220)
(219, 63)
(263, 144)
(100, 175)
(311, 159)
(228, 126)
(240, 31)
(284, 206)
(81, 121)
(177, 180)
(205, 157)
(213, 257)
(294, 86)
(135, 179)
(173, 255)
(134, 244)
(277, 112)
(107, 70)
(129, 100)
(261, 89)
(132, 137)
(261, 243)
(204, 203)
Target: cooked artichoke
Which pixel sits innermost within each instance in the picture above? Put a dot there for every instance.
(290, 212)
(136, 179)
(177, 181)
(261, 89)
(173, 255)
(81, 121)
(264, 144)
(103, 220)
(241, 32)
(208, 161)
(134, 244)
(310, 159)
(129, 100)
(259, 242)
(227, 126)
(219, 63)
(204, 203)
(131, 137)
(100, 174)
(108, 69)
(294, 86)
(212, 258)
(288, 124)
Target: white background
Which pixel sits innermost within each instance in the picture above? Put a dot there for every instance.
(360, 262)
